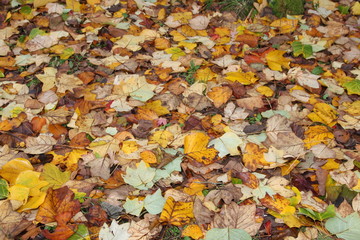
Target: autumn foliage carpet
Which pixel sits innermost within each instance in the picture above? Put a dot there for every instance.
(158, 119)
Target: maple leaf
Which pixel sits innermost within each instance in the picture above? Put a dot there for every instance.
(195, 146)
(276, 61)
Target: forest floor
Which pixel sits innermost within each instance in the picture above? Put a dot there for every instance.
(148, 119)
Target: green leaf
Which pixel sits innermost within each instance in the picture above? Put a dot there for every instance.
(227, 234)
(346, 228)
(4, 192)
(133, 206)
(236, 181)
(304, 49)
(36, 31)
(154, 204)
(344, 9)
(328, 213)
(2, 74)
(26, 10)
(82, 233)
(54, 176)
(141, 177)
(317, 70)
(353, 87)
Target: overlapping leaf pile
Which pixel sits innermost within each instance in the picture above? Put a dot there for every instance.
(147, 119)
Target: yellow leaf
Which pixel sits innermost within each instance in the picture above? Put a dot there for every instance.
(148, 156)
(157, 107)
(33, 202)
(285, 25)
(220, 95)
(177, 36)
(129, 146)
(188, 31)
(195, 146)
(161, 14)
(93, 2)
(30, 179)
(287, 168)
(70, 159)
(352, 108)
(331, 164)
(182, 17)
(188, 45)
(175, 53)
(162, 43)
(54, 176)
(19, 193)
(205, 74)
(195, 188)
(323, 113)
(73, 4)
(280, 207)
(253, 157)
(355, 9)
(266, 91)
(276, 61)
(162, 137)
(193, 231)
(243, 78)
(177, 213)
(11, 169)
(316, 135)
(222, 31)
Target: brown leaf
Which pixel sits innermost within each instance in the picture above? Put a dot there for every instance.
(201, 213)
(40, 144)
(57, 202)
(250, 103)
(9, 219)
(239, 217)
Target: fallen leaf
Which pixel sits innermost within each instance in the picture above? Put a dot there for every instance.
(220, 95)
(237, 217)
(54, 176)
(193, 231)
(176, 213)
(195, 146)
(253, 157)
(276, 61)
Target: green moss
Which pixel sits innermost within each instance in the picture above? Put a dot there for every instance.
(281, 8)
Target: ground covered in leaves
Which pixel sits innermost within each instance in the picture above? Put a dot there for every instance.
(174, 120)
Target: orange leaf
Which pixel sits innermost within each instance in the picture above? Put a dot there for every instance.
(5, 125)
(86, 77)
(254, 157)
(177, 213)
(57, 130)
(193, 231)
(80, 140)
(220, 95)
(37, 123)
(58, 202)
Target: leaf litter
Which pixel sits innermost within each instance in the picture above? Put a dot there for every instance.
(174, 120)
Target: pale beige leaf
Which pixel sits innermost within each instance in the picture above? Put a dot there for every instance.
(39, 145)
(239, 217)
